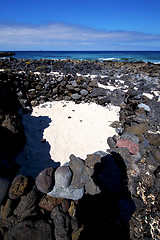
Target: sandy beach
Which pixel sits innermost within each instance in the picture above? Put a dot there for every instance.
(66, 128)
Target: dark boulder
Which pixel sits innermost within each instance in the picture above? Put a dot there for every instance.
(30, 230)
(45, 180)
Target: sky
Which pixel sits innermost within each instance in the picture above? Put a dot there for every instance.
(80, 25)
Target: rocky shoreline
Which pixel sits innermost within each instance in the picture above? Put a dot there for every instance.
(7, 54)
(113, 193)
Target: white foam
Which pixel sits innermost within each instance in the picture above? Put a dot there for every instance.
(109, 59)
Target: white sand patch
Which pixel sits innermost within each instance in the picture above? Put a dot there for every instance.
(112, 88)
(148, 95)
(109, 87)
(68, 128)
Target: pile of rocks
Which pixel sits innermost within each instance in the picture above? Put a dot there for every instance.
(55, 205)
(12, 137)
(95, 197)
(138, 143)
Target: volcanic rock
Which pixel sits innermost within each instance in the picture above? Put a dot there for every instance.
(146, 107)
(131, 137)
(81, 173)
(30, 230)
(83, 92)
(132, 147)
(61, 223)
(4, 183)
(96, 92)
(45, 180)
(63, 176)
(69, 192)
(18, 187)
(76, 96)
(49, 202)
(27, 204)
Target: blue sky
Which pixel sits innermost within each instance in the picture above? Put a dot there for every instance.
(80, 25)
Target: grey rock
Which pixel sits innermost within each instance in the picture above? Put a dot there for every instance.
(101, 153)
(96, 92)
(103, 100)
(157, 184)
(134, 93)
(4, 183)
(63, 176)
(61, 224)
(146, 107)
(76, 96)
(140, 118)
(93, 83)
(81, 173)
(136, 157)
(83, 92)
(131, 137)
(74, 83)
(84, 85)
(69, 87)
(68, 193)
(111, 142)
(92, 188)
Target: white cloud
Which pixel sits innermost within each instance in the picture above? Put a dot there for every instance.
(63, 35)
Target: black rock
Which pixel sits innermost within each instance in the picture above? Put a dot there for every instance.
(30, 230)
(4, 184)
(96, 92)
(7, 54)
(103, 100)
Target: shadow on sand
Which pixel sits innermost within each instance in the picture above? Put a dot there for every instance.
(35, 156)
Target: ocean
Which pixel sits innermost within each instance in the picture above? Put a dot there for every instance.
(146, 56)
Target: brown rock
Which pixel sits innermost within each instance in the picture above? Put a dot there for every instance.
(65, 205)
(27, 204)
(18, 187)
(49, 202)
(72, 209)
(138, 130)
(156, 155)
(154, 139)
(76, 234)
(45, 180)
(92, 159)
(6, 210)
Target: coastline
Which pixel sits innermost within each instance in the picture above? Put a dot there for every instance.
(122, 56)
(134, 88)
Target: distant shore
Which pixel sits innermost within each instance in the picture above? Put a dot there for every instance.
(7, 54)
(100, 56)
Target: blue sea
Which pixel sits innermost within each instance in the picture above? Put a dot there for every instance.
(146, 56)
